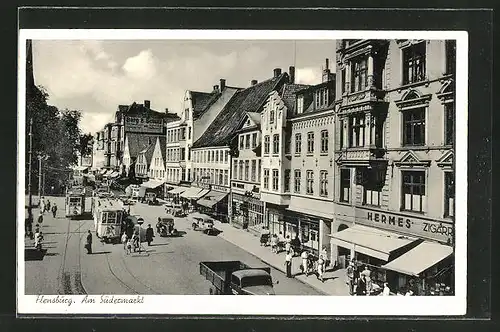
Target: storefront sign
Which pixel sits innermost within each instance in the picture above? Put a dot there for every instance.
(143, 125)
(429, 229)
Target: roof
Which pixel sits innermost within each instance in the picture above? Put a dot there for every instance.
(148, 152)
(228, 121)
(135, 108)
(202, 101)
(288, 95)
(139, 142)
(255, 117)
(163, 148)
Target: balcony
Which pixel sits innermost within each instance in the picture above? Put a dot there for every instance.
(360, 156)
(361, 100)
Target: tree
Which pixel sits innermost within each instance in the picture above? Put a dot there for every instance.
(85, 145)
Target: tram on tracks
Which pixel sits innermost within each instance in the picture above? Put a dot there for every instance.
(108, 215)
(75, 202)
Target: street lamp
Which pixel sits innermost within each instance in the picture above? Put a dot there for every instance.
(41, 157)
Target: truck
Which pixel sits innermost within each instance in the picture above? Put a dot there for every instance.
(237, 278)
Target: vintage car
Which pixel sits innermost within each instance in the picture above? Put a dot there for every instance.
(203, 223)
(166, 227)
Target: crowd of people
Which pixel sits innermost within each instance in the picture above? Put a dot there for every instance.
(45, 207)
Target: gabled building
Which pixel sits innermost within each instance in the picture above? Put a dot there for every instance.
(143, 161)
(394, 156)
(211, 152)
(158, 162)
(134, 144)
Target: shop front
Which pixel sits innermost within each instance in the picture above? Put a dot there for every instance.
(275, 216)
(248, 211)
(214, 204)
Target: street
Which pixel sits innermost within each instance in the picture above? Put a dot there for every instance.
(168, 266)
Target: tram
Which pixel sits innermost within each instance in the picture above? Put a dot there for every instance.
(75, 202)
(108, 217)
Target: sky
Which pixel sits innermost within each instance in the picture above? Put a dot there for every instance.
(95, 76)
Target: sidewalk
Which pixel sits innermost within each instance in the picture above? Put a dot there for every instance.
(335, 281)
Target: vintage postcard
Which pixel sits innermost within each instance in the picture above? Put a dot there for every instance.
(321, 172)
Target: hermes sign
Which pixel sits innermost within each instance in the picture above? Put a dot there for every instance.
(429, 229)
(143, 125)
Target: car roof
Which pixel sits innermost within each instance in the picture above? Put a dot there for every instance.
(250, 273)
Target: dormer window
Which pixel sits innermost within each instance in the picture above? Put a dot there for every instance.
(300, 104)
(321, 97)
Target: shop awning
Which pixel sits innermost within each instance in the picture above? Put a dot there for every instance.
(311, 212)
(212, 198)
(190, 192)
(420, 258)
(152, 184)
(370, 241)
(114, 175)
(178, 190)
(199, 195)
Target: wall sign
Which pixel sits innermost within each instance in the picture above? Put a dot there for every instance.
(433, 230)
(143, 124)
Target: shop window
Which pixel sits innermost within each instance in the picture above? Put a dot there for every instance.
(449, 195)
(345, 184)
(324, 141)
(414, 63)
(357, 130)
(413, 198)
(310, 182)
(266, 144)
(235, 169)
(242, 142)
(372, 187)
(298, 143)
(297, 181)
(451, 56)
(276, 143)
(359, 74)
(254, 166)
(247, 169)
(266, 178)
(287, 181)
(414, 127)
(323, 183)
(275, 179)
(240, 175)
(449, 123)
(254, 140)
(310, 142)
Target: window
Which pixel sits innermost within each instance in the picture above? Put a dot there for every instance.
(240, 177)
(449, 195)
(287, 180)
(226, 177)
(276, 143)
(343, 81)
(451, 54)
(414, 63)
(247, 141)
(258, 170)
(297, 181)
(189, 132)
(226, 157)
(216, 156)
(221, 176)
(254, 166)
(310, 142)
(372, 187)
(345, 184)
(235, 169)
(310, 182)
(321, 97)
(213, 155)
(183, 133)
(186, 113)
(449, 123)
(271, 115)
(359, 74)
(413, 198)
(266, 178)
(298, 143)
(300, 104)
(247, 169)
(288, 142)
(275, 179)
(242, 141)
(414, 127)
(323, 183)
(357, 132)
(183, 152)
(324, 141)
(254, 140)
(266, 144)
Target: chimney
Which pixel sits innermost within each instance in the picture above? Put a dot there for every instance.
(253, 82)
(291, 72)
(222, 84)
(326, 72)
(327, 63)
(277, 72)
(216, 88)
(166, 110)
(147, 104)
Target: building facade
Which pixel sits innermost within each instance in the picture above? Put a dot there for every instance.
(157, 168)
(394, 152)
(174, 153)
(98, 159)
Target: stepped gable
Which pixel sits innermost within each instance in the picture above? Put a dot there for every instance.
(288, 95)
(228, 121)
(202, 102)
(139, 142)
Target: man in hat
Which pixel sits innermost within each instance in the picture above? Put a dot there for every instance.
(149, 235)
(88, 246)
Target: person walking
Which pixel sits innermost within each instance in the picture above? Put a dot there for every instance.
(288, 245)
(38, 239)
(288, 264)
(324, 255)
(350, 277)
(361, 286)
(54, 210)
(305, 262)
(124, 240)
(40, 217)
(88, 246)
(47, 207)
(321, 269)
(369, 285)
(149, 235)
(387, 290)
(42, 206)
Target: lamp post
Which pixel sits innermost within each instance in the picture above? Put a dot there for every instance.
(40, 158)
(30, 196)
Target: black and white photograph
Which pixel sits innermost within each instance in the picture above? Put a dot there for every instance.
(305, 168)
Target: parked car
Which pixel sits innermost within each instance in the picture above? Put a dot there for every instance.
(203, 224)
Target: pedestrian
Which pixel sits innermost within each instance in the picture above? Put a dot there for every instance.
(149, 235)
(369, 285)
(324, 255)
(42, 205)
(305, 257)
(38, 239)
(274, 243)
(361, 286)
(350, 277)
(124, 240)
(288, 245)
(88, 246)
(40, 217)
(54, 210)
(321, 269)
(135, 240)
(387, 290)
(288, 264)
(366, 272)
(129, 246)
(47, 207)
